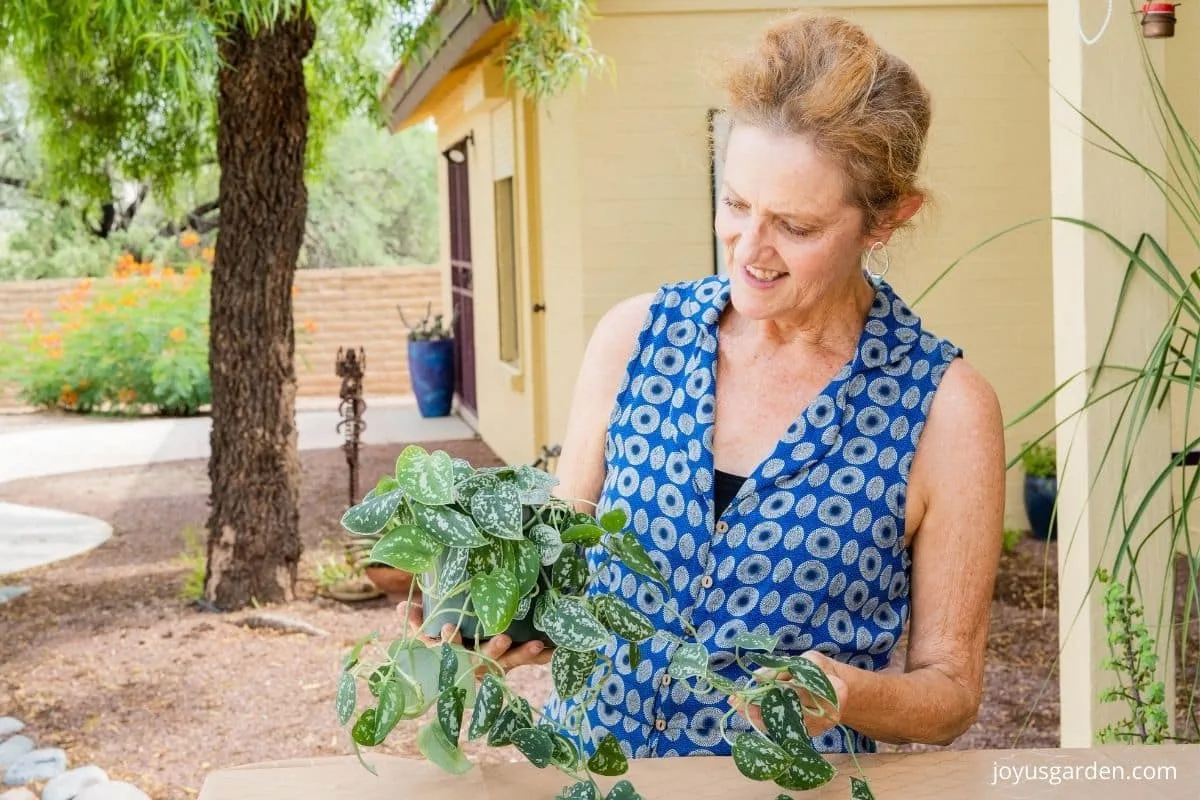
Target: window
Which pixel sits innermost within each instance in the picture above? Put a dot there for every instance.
(718, 134)
(506, 270)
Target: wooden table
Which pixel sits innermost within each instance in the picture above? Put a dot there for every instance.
(1099, 773)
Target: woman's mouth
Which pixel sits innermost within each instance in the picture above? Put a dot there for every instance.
(762, 277)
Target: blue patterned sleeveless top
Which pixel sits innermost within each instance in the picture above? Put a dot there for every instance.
(811, 549)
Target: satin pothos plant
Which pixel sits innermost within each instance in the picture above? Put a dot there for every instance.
(493, 551)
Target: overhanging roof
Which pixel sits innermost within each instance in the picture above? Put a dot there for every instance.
(465, 28)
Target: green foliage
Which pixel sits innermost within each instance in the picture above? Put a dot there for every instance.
(491, 541)
(429, 326)
(135, 342)
(1012, 537)
(1132, 659)
(195, 560)
(1038, 460)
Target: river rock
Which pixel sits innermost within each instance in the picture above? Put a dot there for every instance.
(14, 749)
(36, 765)
(71, 783)
(9, 726)
(20, 793)
(113, 790)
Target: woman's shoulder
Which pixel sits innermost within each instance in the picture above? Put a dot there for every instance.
(624, 322)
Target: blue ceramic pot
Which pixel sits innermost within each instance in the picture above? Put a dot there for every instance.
(431, 367)
(1040, 495)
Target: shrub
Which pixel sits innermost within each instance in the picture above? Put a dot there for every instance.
(133, 342)
(1038, 461)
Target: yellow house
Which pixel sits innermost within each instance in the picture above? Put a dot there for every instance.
(553, 213)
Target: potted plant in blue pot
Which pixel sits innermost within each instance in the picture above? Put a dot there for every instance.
(1041, 489)
(431, 362)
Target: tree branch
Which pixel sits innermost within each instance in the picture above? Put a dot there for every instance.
(194, 219)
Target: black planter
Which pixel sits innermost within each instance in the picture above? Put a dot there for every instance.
(1040, 496)
(520, 630)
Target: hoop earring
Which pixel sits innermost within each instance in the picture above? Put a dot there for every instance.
(876, 278)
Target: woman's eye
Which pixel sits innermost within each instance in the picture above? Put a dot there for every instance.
(729, 202)
(794, 231)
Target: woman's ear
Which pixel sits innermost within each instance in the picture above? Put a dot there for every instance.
(902, 213)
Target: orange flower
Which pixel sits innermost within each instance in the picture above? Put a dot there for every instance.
(168, 272)
(105, 308)
(208, 254)
(178, 334)
(189, 239)
(154, 283)
(126, 396)
(68, 396)
(33, 316)
(84, 286)
(128, 299)
(193, 272)
(50, 340)
(146, 268)
(310, 326)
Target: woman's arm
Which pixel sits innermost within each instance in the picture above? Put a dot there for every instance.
(580, 470)
(957, 494)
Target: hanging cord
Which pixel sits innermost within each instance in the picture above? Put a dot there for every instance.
(1089, 40)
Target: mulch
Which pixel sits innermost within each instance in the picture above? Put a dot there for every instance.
(103, 658)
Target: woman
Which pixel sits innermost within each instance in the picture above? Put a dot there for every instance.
(791, 446)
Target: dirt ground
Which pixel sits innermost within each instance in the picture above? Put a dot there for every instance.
(104, 659)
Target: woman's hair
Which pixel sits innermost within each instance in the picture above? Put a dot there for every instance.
(824, 78)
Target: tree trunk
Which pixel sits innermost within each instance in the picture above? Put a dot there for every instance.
(253, 526)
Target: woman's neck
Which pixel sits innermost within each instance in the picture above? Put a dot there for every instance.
(830, 321)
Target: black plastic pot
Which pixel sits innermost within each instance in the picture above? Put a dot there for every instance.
(1040, 497)
(521, 630)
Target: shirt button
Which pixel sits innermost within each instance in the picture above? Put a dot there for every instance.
(722, 526)
(660, 724)
(666, 681)
(706, 581)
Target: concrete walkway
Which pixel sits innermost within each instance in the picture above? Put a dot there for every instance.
(31, 537)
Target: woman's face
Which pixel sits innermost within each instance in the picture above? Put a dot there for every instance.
(788, 231)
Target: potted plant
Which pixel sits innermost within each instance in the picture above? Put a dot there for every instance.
(494, 551)
(1041, 489)
(431, 362)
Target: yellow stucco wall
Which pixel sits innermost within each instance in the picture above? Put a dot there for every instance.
(626, 193)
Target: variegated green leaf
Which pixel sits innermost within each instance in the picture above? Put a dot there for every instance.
(498, 511)
(783, 717)
(527, 564)
(584, 790)
(807, 771)
(535, 744)
(860, 790)
(447, 667)
(451, 528)
(566, 754)
(549, 543)
(755, 641)
(347, 697)
(571, 669)
(523, 608)
(425, 477)
(406, 547)
(569, 624)
(371, 516)
(570, 573)
(486, 558)
(608, 760)
(534, 485)
(635, 655)
(494, 598)
(758, 758)
(690, 660)
(433, 744)
(451, 570)
(363, 732)
(391, 708)
(351, 658)
(450, 706)
(462, 469)
(587, 534)
(516, 715)
(807, 674)
(622, 619)
(631, 553)
(614, 521)
(422, 665)
(488, 702)
(622, 790)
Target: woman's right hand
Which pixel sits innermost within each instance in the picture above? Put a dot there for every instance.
(498, 648)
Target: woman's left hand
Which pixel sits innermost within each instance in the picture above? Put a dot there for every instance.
(815, 723)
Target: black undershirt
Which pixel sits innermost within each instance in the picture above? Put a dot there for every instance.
(726, 486)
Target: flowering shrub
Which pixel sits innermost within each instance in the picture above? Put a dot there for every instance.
(135, 341)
